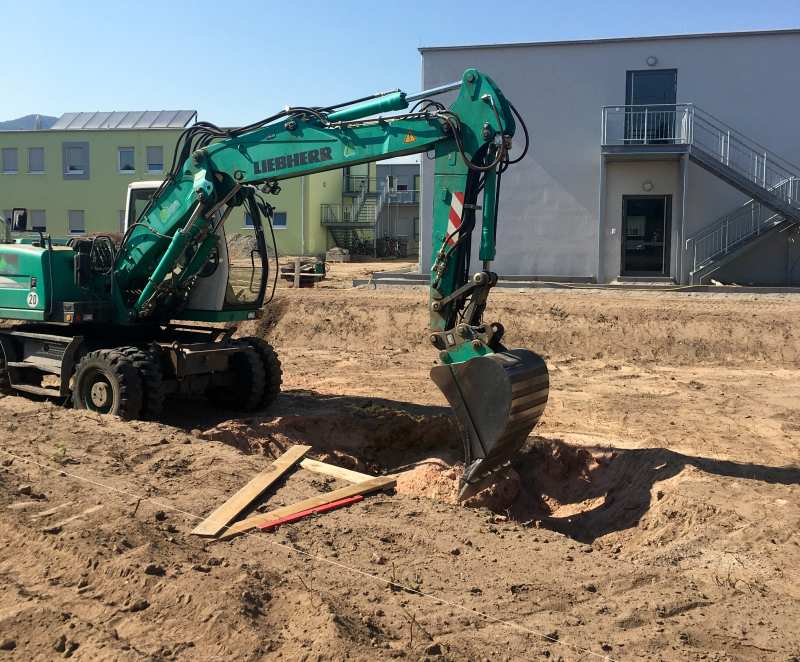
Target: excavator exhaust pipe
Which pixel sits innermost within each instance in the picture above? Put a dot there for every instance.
(497, 400)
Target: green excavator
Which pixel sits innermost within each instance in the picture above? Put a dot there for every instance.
(116, 324)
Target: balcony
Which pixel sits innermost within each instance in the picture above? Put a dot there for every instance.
(400, 197)
(355, 185)
(651, 130)
(347, 215)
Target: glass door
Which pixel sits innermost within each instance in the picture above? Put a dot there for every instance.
(646, 235)
(650, 97)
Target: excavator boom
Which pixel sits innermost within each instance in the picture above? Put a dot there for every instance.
(497, 394)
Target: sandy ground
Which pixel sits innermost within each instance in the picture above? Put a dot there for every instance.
(653, 515)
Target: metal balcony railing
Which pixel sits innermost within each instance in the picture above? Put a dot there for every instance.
(337, 214)
(647, 125)
(402, 197)
(773, 181)
(355, 184)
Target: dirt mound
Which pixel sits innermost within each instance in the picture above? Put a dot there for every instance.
(562, 325)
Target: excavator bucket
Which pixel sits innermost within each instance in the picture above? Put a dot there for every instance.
(497, 400)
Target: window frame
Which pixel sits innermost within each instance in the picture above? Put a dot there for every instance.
(31, 171)
(3, 152)
(120, 169)
(147, 158)
(38, 228)
(285, 222)
(82, 212)
(65, 150)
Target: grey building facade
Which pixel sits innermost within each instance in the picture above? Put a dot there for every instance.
(658, 158)
(398, 185)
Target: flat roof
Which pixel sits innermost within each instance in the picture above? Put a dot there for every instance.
(614, 40)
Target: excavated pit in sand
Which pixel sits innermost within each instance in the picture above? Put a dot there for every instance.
(552, 481)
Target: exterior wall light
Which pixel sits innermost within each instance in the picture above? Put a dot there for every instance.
(647, 186)
(652, 61)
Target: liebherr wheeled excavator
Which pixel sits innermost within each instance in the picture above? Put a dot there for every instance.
(115, 325)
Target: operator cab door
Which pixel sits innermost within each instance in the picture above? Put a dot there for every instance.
(234, 277)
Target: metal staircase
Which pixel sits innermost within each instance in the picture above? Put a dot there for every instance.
(353, 226)
(771, 182)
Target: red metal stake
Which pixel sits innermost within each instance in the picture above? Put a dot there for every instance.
(305, 513)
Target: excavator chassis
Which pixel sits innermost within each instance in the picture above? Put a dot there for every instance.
(147, 365)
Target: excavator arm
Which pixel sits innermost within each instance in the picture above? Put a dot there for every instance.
(497, 394)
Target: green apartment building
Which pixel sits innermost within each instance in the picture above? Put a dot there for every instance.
(73, 177)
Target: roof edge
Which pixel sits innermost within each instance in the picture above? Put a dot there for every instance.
(613, 40)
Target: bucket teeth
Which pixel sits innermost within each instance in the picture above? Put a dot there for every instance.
(497, 400)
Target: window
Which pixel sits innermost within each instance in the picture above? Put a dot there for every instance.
(38, 220)
(36, 159)
(155, 159)
(402, 187)
(76, 160)
(127, 162)
(279, 220)
(77, 221)
(248, 220)
(9, 155)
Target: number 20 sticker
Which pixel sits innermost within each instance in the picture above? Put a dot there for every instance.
(33, 300)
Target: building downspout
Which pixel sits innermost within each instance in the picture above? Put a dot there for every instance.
(681, 239)
(601, 230)
(302, 215)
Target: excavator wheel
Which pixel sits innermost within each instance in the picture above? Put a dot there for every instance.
(272, 368)
(246, 390)
(107, 382)
(147, 362)
(5, 382)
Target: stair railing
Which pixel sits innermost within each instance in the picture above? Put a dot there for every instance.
(731, 230)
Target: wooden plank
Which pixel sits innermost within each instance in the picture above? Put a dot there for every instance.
(373, 485)
(336, 472)
(229, 510)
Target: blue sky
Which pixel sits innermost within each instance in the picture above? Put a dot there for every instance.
(239, 61)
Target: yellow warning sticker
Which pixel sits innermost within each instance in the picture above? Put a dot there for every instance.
(410, 138)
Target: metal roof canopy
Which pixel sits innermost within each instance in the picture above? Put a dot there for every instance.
(130, 119)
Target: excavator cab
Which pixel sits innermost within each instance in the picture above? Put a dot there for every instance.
(235, 276)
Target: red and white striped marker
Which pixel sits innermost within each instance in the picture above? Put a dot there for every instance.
(454, 219)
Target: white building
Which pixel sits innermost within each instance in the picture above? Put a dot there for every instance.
(658, 158)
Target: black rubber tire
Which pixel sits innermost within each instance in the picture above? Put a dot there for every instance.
(147, 362)
(247, 390)
(5, 381)
(272, 369)
(116, 369)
